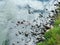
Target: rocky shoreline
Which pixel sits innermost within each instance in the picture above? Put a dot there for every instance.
(30, 28)
(26, 33)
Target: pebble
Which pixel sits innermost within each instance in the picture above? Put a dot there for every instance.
(21, 22)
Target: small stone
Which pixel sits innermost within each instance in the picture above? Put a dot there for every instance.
(55, 4)
(47, 30)
(42, 32)
(33, 33)
(47, 26)
(25, 44)
(34, 20)
(26, 34)
(40, 15)
(43, 38)
(59, 2)
(40, 39)
(18, 22)
(22, 27)
(17, 41)
(19, 32)
(36, 30)
(29, 12)
(36, 24)
(46, 9)
(32, 26)
(52, 27)
(16, 34)
(13, 44)
(21, 22)
(52, 11)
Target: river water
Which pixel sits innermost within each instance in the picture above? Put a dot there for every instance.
(21, 21)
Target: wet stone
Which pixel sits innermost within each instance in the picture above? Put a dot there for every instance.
(18, 22)
(37, 25)
(34, 34)
(46, 27)
(36, 30)
(59, 2)
(40, 39)
(34, 20)
(55, 4)
(32, 26)
(40, 16)
(51, 22)
(42, 32)
(13, 44)
(22, 32)
(19, 32)
(26, 34)
(25, 44)
(29, 12)
(16, 34)
(17, 41)
(22, 27)
(52, 11)
(21, 22)
(46, 9)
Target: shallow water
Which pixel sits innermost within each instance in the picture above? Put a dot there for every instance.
(29, 13)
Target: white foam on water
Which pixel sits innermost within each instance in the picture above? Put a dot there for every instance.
(10, 14)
